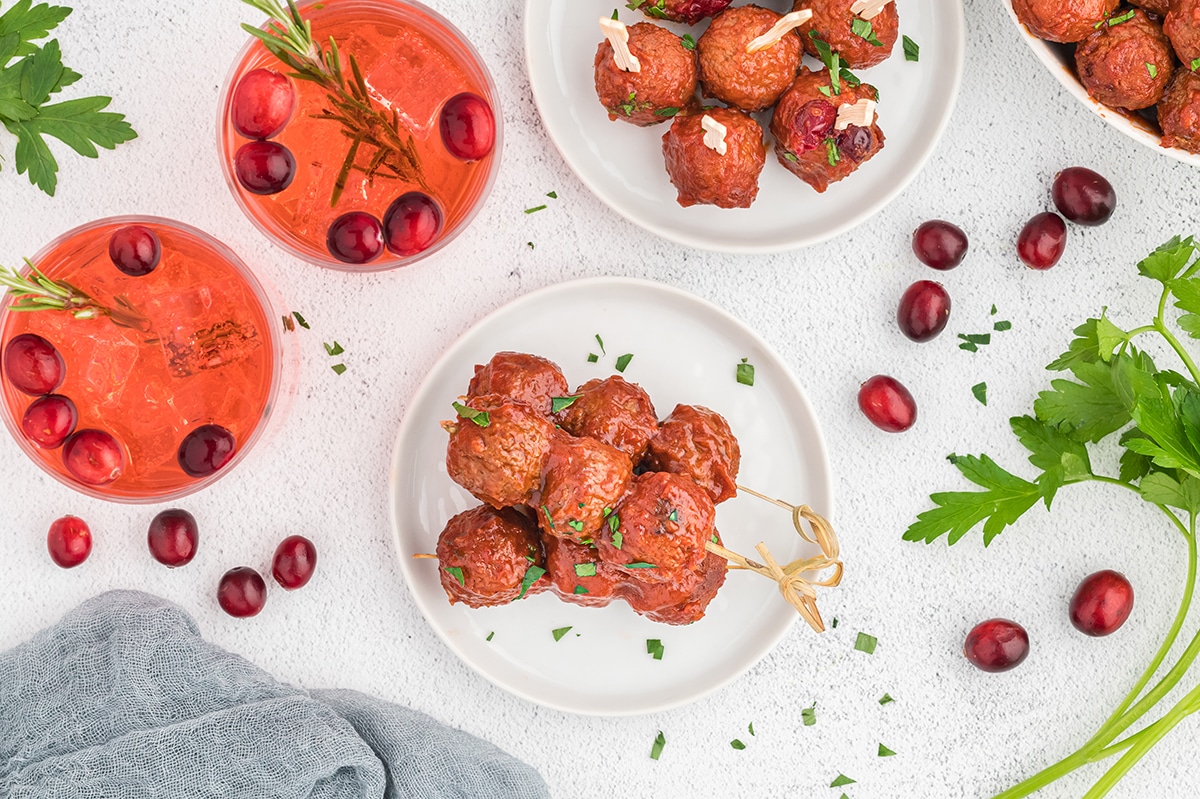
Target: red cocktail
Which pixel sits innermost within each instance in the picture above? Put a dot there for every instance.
(159, 376)
(382, 155)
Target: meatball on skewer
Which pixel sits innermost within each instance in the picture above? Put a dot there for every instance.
(530, 379)
(1179, 112)
(644, 74)
(1059, 21)
(697, 442)
(749, 56)
(1182, 26)
(582, 482)
(577, 575)
(485, 556)
(498, 448)
(686, 11)
(682, 602)
(863, 32)
(1126, 65)
(714, 157)
(615, 412)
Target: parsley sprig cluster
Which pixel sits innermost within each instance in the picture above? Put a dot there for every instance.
(1108, 387)
(30, 76)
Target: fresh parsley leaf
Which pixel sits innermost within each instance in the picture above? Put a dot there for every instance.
(832, 154)
(562, 403)
(553, 195)
(841, 780)
(300, 320)
(1006, 497)
(623, 361)
(751, 728)
(831, 60)
(340, 368)
(592, 357)
(809, 715)
(736, 744)
(885, 752)
(688, 42)
(745, 373)
(666, 112)
(585, 569)
(1088, 410)
(481, 418)
(333, 349)
(865, 643)
(1060, 458)
(456, 572)
(1002, 326)
(1084, 348)
(862, 29)
(654, 648)
(912, 51)
(560, 632)
(579, 589)
(1134, 465)
(980, 392)
(1166, 262)
(659, 742)
(30, 23)
(1162, 489)
(1187, 299)
(1171, 424)
(532, 575)
(886, 699)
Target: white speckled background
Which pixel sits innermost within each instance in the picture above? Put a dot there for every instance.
(828, 311)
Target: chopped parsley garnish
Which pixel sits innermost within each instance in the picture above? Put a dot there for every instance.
(631, 106)
(339, 368)
(835, 623)
(825, 90)
(673, 516)
(886, 699)
(640, 565)
(1002, 325)
(654, 648)
(659, 742)
(809, 715)
(300, 320)
(529, 244)
(751, 728)
(560, 632)
(736, 744)
(714, 539)
(456, 573)
(831, 60)
(585, 569)
(1195, 64)
(535, 209)
(607, 512)
(841, 780)
(885, 752)
(980, 392)
(912, 51)
(862, 29)
(579, 589)
(334, 349)
(562, 403)
(614, 16)
(865, 643)
(617, 540)
(492, 633)
(577, 526)
(745, 372)
(688, 42)
(593, 357)
(549, 518)
(623, 361)
(670, 111)
(832, 154)
(1128, 15)
(481, 418)
(600, 341)
(1152, 69)
(971, 342)
(553, 195)
(789, 156)
(532, 575)
(993, 310)
(658, 9)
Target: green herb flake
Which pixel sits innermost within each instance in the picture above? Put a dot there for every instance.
(1195, 65)
(600, 341)
(688, 42)
(789, 156)
(831, 60)
(532, 575)
(1122, 18)
(481, 418)
(980, 392)
(456, 573)
(835, 623)
(862, 29)
(745, 372)
(553, 195)
(751, 728)
(562, 403)
(832, 154)
(825, 90)
(585, 569)
(535, 209)
(333, 349)
(1152, 70)
(865, 643)
(575, 525)
(667, 112)
(1002, 326)
(659, 742)
(971, 342)
(549, 518)
(673, 516)
(300, 320)
(736, 744)
(912, 51)
(560, 632)
(592, 357)
(885, 752)
(579, 589)
(623, 361)
(640, 565)
(714, 539)
(809, 715)
(490, 635)
(993, 310)
(654, 648)
(617, 540)
(886, 699)
(841, 780)
(338, 368)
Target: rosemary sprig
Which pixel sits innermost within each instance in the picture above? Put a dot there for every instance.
(36, 292)
(364, 122)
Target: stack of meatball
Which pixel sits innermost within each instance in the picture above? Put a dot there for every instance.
(1133, 58)
(585, 494)
(809, 140)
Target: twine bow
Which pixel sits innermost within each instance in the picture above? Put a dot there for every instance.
(798, 590)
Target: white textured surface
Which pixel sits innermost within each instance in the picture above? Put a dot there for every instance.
(828, 310)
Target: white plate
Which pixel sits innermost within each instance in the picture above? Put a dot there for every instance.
(685, 351)
(623, 164)
(1059, 59)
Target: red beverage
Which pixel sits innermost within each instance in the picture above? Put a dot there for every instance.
(414, 63)
(191, 344)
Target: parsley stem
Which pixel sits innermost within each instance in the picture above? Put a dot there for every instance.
(1179, 350)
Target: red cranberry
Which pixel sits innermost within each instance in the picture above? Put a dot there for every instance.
(996, 645)
(173, 538)
(295, 561)
(205, 450)
(1102, 603)
(242, 592)
(939, 244)
(69, 541)
(468, 126)
(264, 167)
(33, 365)
(355, 238)
(412, 223)
(1042, 240)
(135, 250)
(49, 420)
(924, 310)
(887, 404)
(262, 104)
(93, 457)
(1083, 196)
(813, 124)
(855, 142)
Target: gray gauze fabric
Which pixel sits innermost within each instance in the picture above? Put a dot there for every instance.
(122, 699)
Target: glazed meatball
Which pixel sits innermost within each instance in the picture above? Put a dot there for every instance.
(680, 602)
(749, 81)
(1062, 20)
(698, 443)
(703, 176)
(525, 378)
(1179, 112)
(665, 85)
(833, 22)
(662, 523)
(499, 456)
(1126, 65)
(1182, 26)
(615, 412)
(572, 567)
(490, 550)
(581, 480)
(807, 142)
(1158, 8)
(687, 11)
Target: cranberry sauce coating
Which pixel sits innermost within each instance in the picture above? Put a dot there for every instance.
(833, 20)
(1179, 112)
(749, 81)
(573, 566)
(615, 412)
(501, 464)
(530, 379)
(663, 523)
(1059, 21)
(806, 141)
(697, 442)
(680, 602)
(703, 176)
(1182, 26)
(688, 12)
(1126, 65)
(665, 85)
(491, 550)
(582, 482)
(1157, 7)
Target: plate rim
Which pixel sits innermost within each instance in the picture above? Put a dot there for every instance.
(818, 447)
(532, 28)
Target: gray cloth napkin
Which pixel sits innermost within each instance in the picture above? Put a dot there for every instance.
(122, 699)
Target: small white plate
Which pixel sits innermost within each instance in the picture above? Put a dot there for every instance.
(685, 350)
(623, 164)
